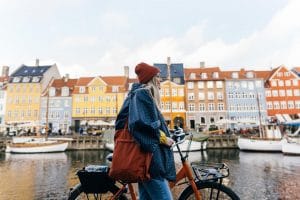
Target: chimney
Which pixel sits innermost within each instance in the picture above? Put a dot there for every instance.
(5, 71)
(202, 64)
(126, 71)
(169, 67)
(37, 62)
(66, 77)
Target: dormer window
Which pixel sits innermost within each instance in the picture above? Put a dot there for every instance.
(235, 75)
(25, 71)
(215, 75)
(65, 91)
(82, 89)
(16, 79)
(33, 71)
(52, 92)
(249, 75)
(115, 89)
(192, 76)
(204, 75)
(35, 79)
(25, 80)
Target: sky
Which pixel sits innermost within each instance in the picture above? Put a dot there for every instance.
(100, 37)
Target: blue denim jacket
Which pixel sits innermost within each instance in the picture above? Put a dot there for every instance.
(144, 122)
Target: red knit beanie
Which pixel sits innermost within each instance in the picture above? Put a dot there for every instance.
(145, 72)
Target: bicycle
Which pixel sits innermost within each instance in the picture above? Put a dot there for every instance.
(205, 184)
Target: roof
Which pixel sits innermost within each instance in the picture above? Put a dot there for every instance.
(60, 83)
(83, 81)
(115, 80)
(25, 70)
(198, 71)
(176, 69)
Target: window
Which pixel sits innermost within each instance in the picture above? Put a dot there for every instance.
(279, 74)
(219, 84)
(85, 98)
(290, 104)
(296, 92)
(81, 89)
(273, 83)
(200, 84)
(268, 93)
(191, 107)
(274, 93)
(210, 84)
(174, 92)
(201, 107)
(65, 91)
(270, 105)
(295, 82)
(210, 96)
(25, 79)
(287, 74)
(220, 95)
(16, 79)
(77, 111)
(100, 110)
(35, 79)
(251, 85)
(215, 75)
(235, 75)
(297, 104)
(211, 106)
(181, 105)
(287, 82)
(289, 93)
(67, 103)
(174, 105)
(249, 75)
(258, 84)
(204, 75)
(282, 93)
(115, 89)
(201, 96)
(220, 106)
(52, 92)
(281, 83)
(190, 96)
(181, 92)
(283, 104)
(190, 85)
(192, 76)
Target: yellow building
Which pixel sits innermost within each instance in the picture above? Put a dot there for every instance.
(98, 98)
(173, 103)
(24, 90)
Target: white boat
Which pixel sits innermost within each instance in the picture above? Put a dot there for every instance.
(259, 144)
(195, 146)
(291, 146)
(270, 140)
(39, 145)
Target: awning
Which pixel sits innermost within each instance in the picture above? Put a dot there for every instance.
(287, 117)
(280, 118)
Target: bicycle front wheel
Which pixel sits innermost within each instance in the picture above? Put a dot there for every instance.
(77, 193)
(209, 190)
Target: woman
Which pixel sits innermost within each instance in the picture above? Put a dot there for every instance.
(149, 129)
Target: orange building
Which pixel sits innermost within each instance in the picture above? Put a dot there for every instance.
(283, 94)
(173, 103)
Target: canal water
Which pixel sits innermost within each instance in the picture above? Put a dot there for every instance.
(49, 176)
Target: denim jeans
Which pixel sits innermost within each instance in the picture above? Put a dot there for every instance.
(155, 189)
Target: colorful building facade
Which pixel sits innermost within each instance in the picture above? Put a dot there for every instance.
(24, 89)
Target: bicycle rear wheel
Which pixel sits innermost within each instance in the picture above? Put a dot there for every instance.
(77, 193)
(209, 190)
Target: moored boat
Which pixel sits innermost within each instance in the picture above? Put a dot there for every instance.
(36, 147)
(195, 146)
(291, 146)
(259, 144)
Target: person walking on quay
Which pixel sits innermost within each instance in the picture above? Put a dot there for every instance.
(146, 124)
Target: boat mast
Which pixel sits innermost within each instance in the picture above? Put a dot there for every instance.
(261, 131)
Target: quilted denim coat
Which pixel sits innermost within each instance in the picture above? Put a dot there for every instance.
(144, 121)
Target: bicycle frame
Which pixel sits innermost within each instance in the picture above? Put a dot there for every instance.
(184, 172)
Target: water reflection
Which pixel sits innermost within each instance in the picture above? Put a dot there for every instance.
(49, 176)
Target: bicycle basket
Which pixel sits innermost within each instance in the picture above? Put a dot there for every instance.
(210, 171)
(95, 179)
